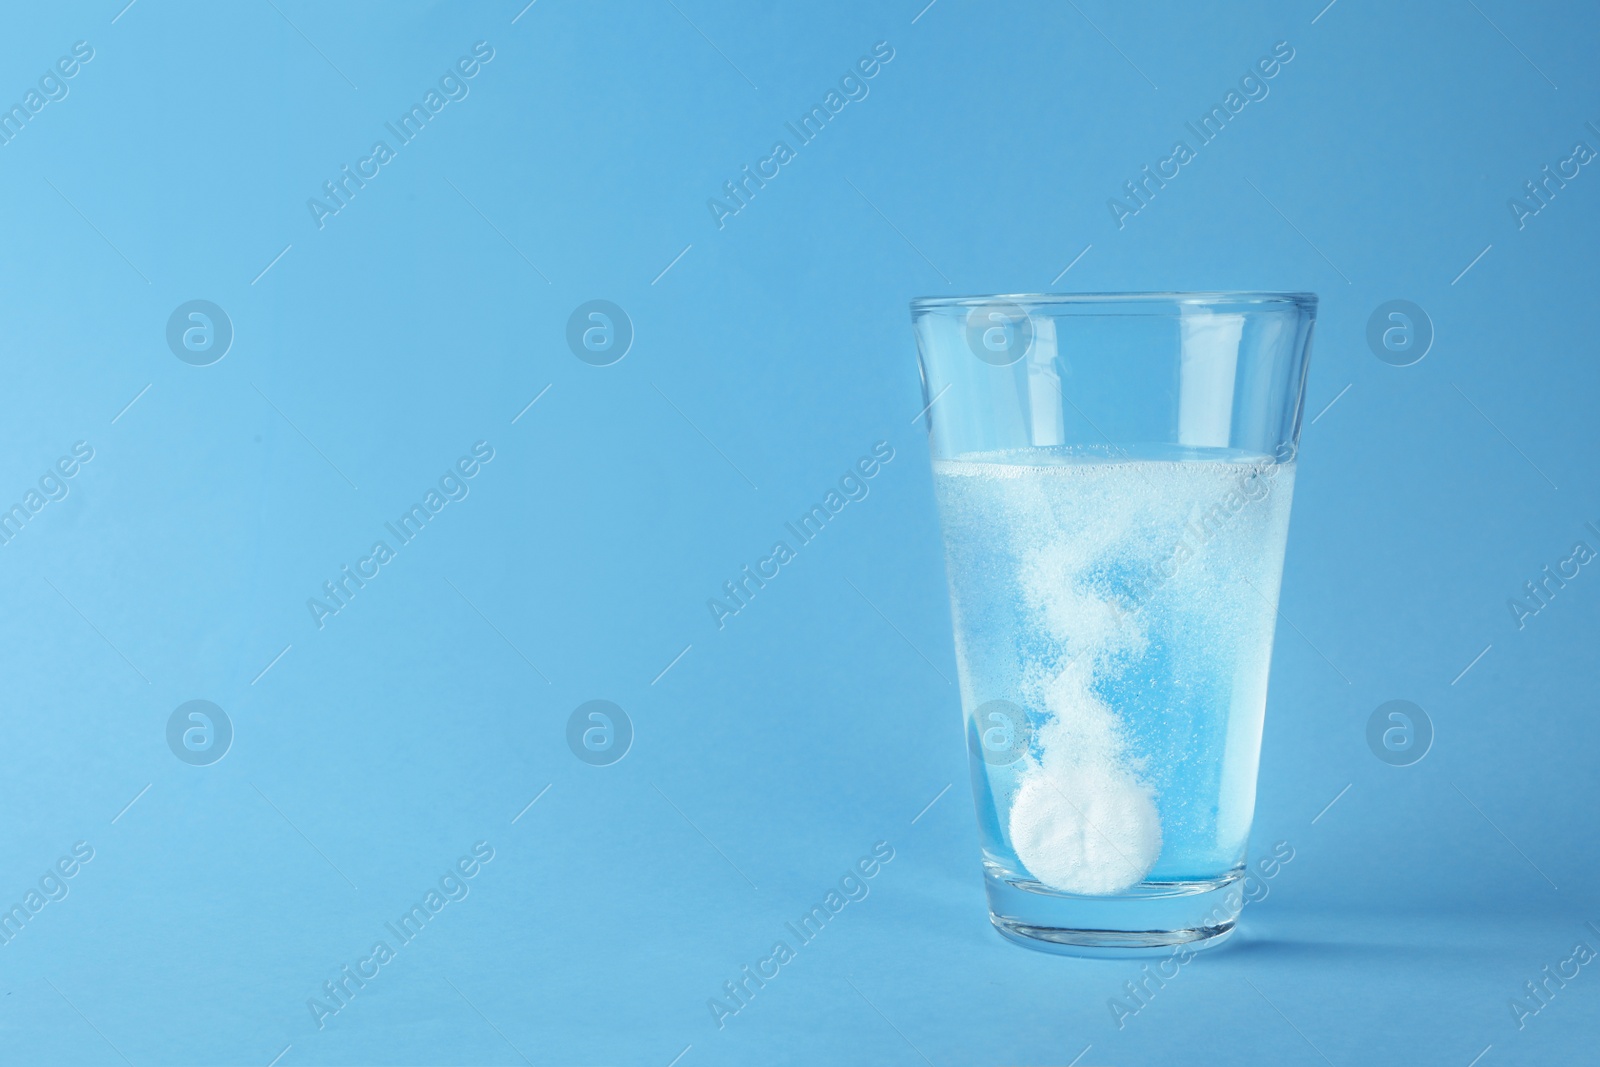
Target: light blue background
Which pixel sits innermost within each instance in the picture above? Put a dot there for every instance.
(773, 353)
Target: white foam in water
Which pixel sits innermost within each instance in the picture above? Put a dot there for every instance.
(1061, 585)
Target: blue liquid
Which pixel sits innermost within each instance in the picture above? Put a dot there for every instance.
(1126, 604)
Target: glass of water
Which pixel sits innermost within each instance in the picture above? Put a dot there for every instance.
(1113, 474)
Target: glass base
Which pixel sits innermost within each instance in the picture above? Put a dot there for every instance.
(1151, 919)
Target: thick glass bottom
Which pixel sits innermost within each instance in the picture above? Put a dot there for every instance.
(1148, 920)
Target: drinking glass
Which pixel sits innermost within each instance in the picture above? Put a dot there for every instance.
(1113, 474)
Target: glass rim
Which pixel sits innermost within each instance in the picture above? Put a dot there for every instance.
(1302, 300)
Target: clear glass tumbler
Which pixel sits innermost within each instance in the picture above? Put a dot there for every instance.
(1113, 474)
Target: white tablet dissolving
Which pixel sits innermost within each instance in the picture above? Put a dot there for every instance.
(1083, 820)
(1091, 830)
